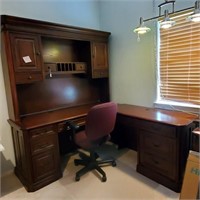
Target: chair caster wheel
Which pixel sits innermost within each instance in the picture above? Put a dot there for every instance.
(96, 155)
(114, 164)
(75, 163)
(104, 179)
(77, 178)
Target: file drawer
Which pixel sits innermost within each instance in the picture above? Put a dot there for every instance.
(42, 139)
(163, 165)
(159, 128)
(158, 144)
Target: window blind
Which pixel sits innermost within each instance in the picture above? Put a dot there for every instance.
(180, 62)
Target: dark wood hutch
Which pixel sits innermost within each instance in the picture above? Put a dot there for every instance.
(52, 73)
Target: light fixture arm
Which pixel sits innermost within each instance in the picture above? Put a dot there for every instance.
(156, 17)
(141, 21)
(164, 4)
(197, 5)
(166, 13)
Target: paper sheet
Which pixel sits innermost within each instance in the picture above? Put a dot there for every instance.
(27, 59)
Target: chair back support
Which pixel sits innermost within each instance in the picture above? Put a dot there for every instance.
(100, 120)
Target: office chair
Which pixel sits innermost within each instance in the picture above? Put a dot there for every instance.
(100, 122)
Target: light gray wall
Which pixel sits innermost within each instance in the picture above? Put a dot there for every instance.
(132, 63)
(83, 13)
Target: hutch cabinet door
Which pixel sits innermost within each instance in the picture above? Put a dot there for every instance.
(99, 60)
(27, 59)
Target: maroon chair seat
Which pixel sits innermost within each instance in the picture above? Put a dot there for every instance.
(100, 122)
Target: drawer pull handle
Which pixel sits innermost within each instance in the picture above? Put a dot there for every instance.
(39, 134)
(44, 145)
(155, 128)
(156, 145)
(156, 162)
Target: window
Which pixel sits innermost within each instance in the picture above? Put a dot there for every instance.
(179, 62)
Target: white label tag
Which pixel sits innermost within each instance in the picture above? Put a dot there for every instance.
(27, 59)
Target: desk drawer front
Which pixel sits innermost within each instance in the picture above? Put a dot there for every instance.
(158, 153)
(43, 143)
(39, 132)
(79, 121)
(158, 144)
(43, 139)
(158, 164)
(158, 128)
(28, 77)
(61, 126)
(45, 165)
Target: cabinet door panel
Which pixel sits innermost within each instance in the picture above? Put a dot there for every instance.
(26, 52)
(99, 60)
(100, 55)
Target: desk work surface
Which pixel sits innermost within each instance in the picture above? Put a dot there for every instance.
(46, 118)
(176, 118)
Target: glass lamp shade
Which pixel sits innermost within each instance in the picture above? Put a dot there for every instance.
(141, 29)
(167, 22)
(195, 17)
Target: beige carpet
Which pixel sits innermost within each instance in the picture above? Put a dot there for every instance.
(123, 182)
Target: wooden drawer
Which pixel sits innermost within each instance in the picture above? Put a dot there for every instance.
(158, 128)
(45, 130)
(28, 77)
(160, 165)
(61, 126)
(160, 145)
(42, 143)
(100, 74)
(45, 165)
(79, 121)
(43, 139)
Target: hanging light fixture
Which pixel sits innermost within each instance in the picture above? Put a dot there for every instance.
(167, 22)
(141, 29)
(195, 17)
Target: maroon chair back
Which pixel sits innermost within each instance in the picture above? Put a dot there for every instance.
(100, 120)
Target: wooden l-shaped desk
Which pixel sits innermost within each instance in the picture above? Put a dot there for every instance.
(161, 138)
